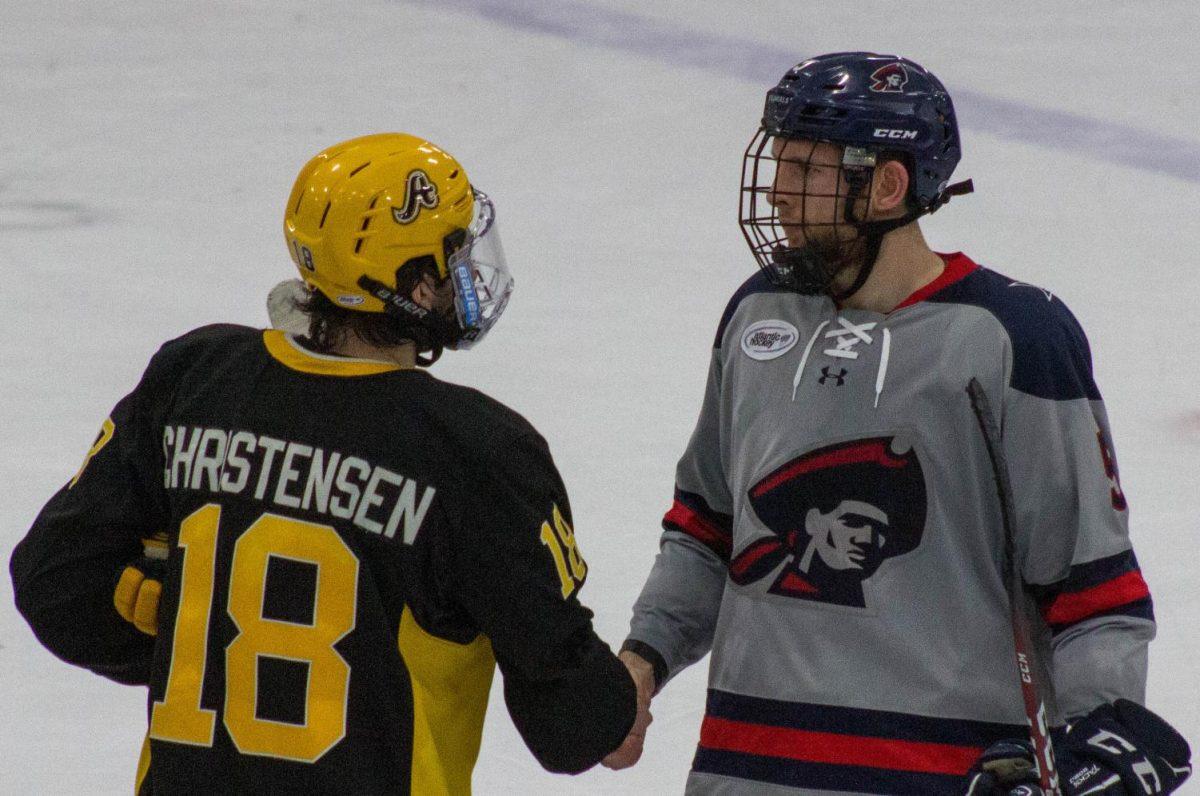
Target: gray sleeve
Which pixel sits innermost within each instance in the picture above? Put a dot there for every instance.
(1072, 529)
(1101, 660)
(676, 614)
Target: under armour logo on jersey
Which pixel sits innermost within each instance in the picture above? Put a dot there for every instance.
(848, 335)
(840, 376)
(890, 78)
(418, 192)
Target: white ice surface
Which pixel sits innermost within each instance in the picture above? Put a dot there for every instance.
(146, 151)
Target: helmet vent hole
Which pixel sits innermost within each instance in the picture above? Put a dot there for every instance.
(366, 223)
(821, 114)
(360, 168)
(454, 174)
(299, 199)
(325, 214)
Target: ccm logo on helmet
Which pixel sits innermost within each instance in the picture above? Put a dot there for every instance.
(418, 192)
(904, 135)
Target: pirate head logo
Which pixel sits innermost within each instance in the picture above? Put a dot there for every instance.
(890, 78)
(835, 515)
(418, 192)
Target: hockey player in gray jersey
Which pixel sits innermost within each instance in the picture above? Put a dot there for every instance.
(836, 537)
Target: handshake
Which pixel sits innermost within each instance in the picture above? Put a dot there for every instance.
(630, 750)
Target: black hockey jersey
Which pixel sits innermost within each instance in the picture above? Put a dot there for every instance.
(353, 547)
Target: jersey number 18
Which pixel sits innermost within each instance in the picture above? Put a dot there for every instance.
(179, 718)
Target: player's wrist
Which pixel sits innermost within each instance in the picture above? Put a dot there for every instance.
(647, 666)
(641, 671)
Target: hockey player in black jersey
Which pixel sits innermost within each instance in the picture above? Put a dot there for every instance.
(346, 547)
(836, 539)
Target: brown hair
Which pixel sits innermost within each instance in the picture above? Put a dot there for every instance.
(329, 325)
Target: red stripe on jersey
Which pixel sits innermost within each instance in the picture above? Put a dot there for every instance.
(697, 525)
(835, 748)
(868, 452)
(791, 582)
(958, 267)
(752, 554)
(1077, 606)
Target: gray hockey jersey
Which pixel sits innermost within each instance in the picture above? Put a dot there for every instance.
(836, 538)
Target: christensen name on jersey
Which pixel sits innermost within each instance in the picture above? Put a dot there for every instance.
(294, 475)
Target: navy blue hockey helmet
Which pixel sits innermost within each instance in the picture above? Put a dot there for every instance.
(881, 102)
(807, 230)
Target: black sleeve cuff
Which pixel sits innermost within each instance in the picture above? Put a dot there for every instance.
(652, 656)
(571, 721)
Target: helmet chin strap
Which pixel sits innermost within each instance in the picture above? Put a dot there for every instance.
(440, 330)
(873, 233)
(812, 267)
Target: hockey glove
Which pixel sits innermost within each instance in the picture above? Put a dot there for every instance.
(1116, 750)
(140, 586)
(1004, 769)
(1121, 748)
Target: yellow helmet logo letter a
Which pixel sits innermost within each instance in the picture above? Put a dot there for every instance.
(419, 192)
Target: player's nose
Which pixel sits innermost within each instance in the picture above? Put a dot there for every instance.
(775, 198)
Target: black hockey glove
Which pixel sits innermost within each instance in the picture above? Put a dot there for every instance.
(1116, 750)
(1121, 748)
(140, 586)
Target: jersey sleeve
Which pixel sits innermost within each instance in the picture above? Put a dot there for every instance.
(675, 615)
(519, 572)
(65, 569)
(1072, 518)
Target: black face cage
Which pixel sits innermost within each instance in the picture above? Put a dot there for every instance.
(835, 238)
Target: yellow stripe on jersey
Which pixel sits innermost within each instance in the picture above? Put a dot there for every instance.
(143, 765)
(283, 347)
(450, 685)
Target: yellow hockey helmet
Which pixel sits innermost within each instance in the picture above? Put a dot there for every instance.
(371, 205)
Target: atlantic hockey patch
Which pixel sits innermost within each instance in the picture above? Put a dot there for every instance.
(765, 340)
(835, 515)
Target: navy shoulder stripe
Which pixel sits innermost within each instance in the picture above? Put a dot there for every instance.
(1051, 356)
(758, 283)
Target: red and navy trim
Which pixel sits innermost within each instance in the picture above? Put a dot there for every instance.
(692, 515)
(958, 267)
(804, 745)
(1111, 586)
(1050, 354)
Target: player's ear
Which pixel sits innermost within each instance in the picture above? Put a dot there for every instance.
(890, 188)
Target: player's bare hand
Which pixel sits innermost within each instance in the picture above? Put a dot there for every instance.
(630, 750)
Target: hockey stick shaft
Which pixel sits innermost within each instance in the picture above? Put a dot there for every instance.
(1027, 669)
